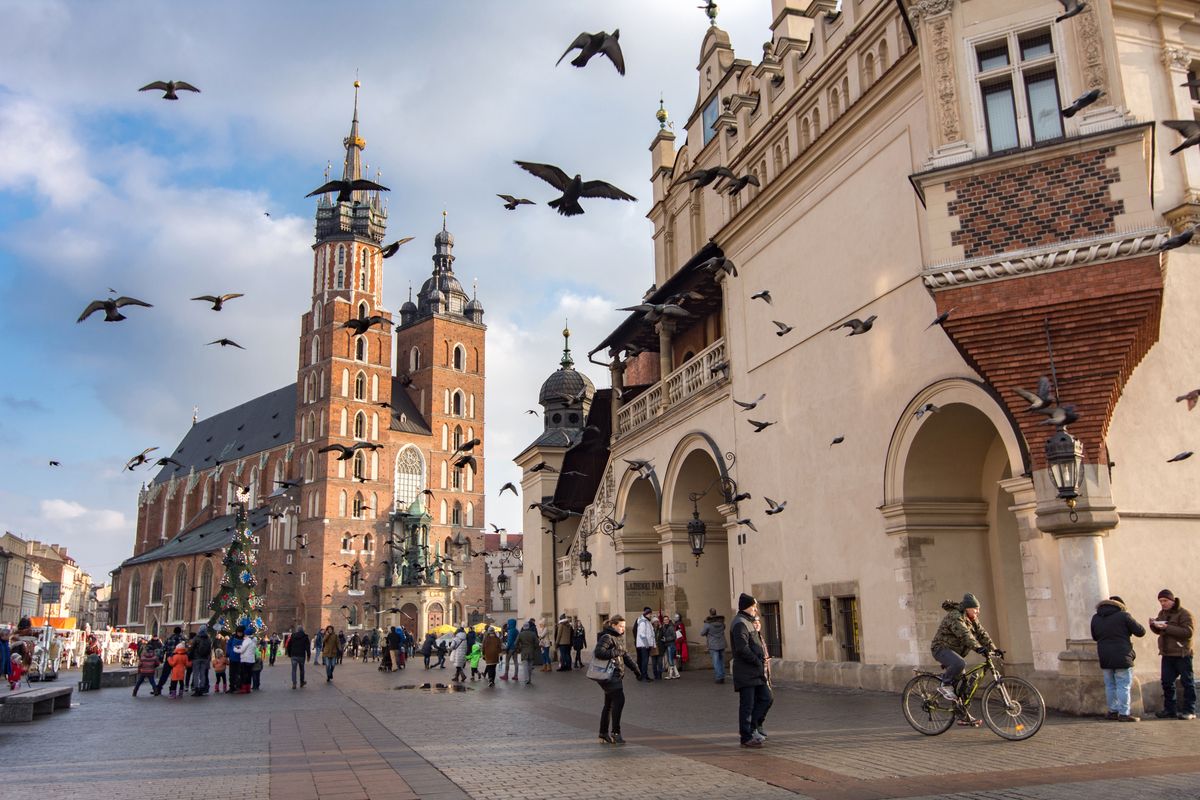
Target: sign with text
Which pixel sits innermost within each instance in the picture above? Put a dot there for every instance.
(639, 594)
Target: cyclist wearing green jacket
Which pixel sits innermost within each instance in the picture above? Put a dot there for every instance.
(959, 633)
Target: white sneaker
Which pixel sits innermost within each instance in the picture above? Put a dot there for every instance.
(758, 736)
(947, 692)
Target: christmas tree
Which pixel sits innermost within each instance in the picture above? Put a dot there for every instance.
(236, 603)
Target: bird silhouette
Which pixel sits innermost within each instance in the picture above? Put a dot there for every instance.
(748, 523)
(738, 184)
(626, 570)
(542, 466)
(467, 447)
(509, 487)
(1060, 416)
(139, 459)
(720, 366)
(759, 427)
(1083, 101)
(344, 453)
(1072, 7)
(1179, 239)
(169, 88)
(54, 463)
(784, 328)
(361, 326)
(345, 188)
(468, 461)
(837, 440)
(572, 188)
(703, 177)
(511, 202)
(1042, 399)
(227, 343)
(752, 405)
(1191, 398)
(1184, 456)
(218, 301)
(162, 462)
(592, 44)
(387, 251)
(110, 306)
(764, 295)
(718, 264)
(773, 507)
(1189, 129)
(928, 408)
(857, 326)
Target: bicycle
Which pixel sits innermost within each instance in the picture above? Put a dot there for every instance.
(1012, 707)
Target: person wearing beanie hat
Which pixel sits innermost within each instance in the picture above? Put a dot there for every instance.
(958, 634)
(643, 640)
(749, 671)
(1174, 626)
(1112, 629)
(563, 634)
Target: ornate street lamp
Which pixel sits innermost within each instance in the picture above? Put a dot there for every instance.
(585, 564)
(502, 582)
(697, 530)
(1064, 456)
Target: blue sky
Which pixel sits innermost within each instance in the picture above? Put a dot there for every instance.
(101, 186)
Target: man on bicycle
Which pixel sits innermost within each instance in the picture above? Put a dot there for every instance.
(959, 633)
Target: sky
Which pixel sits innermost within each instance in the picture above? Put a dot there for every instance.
(102, 186)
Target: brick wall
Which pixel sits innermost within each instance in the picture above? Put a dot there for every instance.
(1027, 205)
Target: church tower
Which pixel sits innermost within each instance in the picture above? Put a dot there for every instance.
(344, 379)
(440, 349)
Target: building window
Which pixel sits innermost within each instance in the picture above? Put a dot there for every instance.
(456, 478)
(1018, 85)
(708, 119)
(368, 544)
(135, 598)
(564, 569)
(360, 348)
(458, 436)
(341, 255)
(360, 425)
(414, 360)
(772, 629)
(1194, 90)
(360, 465)
(355, 579)
(360, 386)
(156, 586)
(341, 278)
(347, 542)
(179, 596)
(359, 505)
(457, 408)
(456, 514)
(849, 630)
(826, 616)
(460, 357)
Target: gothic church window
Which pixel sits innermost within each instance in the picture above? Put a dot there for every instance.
(135, 598)
(460, 357)
(179, 596)
(414, 360)
(360, 425)
(360, 348)
(410, 476)
(456, 514)
(206, 593)
(156, 587)
(360, 386)
(358, 505)
(341, 278)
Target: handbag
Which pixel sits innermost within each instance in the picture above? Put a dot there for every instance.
(602, 669)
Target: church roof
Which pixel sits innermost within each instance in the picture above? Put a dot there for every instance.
(260, 424)
(405, 414)
(209, 536)
(563, 381)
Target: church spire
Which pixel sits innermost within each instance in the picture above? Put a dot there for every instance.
(567, 362)
(354, 144)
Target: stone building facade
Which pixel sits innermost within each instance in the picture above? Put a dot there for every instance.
(905, 168)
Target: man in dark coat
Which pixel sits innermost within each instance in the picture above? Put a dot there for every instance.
(1174, 626)
(749, 671)
(200, 653)
(393, 645)
(1112, 627)
(297, 650)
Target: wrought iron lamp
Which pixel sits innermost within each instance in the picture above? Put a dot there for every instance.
(696, 529)
(1064, 456)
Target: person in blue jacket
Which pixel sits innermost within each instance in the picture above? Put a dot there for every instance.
(235, 658)
(510, 649)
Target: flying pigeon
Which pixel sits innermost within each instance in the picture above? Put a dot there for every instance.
(1044, 397)
(1184, 456)
(345, 188)
(940, 319)
(857, 326)
(1083, 101)
(625, 570)
(162, 462)
(741, 183)
(1179, 239)
(775, 508)
(542, 466)
(748, 523)
(467, 447)
(765, 294)
(169, 88)
(759, 427)
(750, 406)
(390, 250)
(218, 301)
(837, 440)
(344, 453)
(572, 188)
(511, 202)
(227, 343)
(361, 326)
(703, 177)
(110, 306)
(1191, 398)
(1188, 128)
(592, 44)
(1072, 8)
(54, 463)
(718, 263)
(1060, 416)
(784, 328)
(139, 459)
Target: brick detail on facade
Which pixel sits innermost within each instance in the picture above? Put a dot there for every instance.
(1030, 205)
(1103, 321)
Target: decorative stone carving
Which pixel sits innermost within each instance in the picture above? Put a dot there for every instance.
(1176, 58)
(923, 9)
(1095, 74)
(1096, 251)
(945, 83)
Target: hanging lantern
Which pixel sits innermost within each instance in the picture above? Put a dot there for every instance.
(502, 582)
(697, 532)
(1064, 457)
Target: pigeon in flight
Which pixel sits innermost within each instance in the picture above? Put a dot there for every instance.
(345, 188)
(467, 447)
(54, 463)
(139, 459)
(344, 453)
(1179, 239)
(928, 408)
(531, 411)
(765, 294)
(626, 570)
(720, 366)
(511, 202)
(510, 486)
(1060, 416)
(774, 508)
(1189, 129)
(1184, 456)
(227, 343)
(572, 188)
(1072, 7)
(361, 326)
(759, 427)
(655, 312)
(837, 440)
(748, 523)
(719, 263)
(1044, 397)
(468, 461)
(741, 183)
(218, 301)
(940, 319)
(703, 177)
(857, 326)
(390, 250)
(169, 88)
(542, 466)
(110, 306)
(592, 44)
(1083, 101)
(737, 498)
(784, 328)
(1191, 398)
(162, 462)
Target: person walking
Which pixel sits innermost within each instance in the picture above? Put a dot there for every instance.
(510, 649)
(200, 654)
(1174, 626)
(660, 646)
(610, 645)
(643, 640)
(749, 671)
(148, 661)
(274, 648)
(248, 651)
(175, 638)
(1112, 627)
(713, 632)
(667, 648)
(492, 647)
(473, 659)
(298, 650)
(393, 646)
(545, 641)
(458, 655)
(757, 723)
(220, 662)
(341, 637)
(428, 646)
(681, 645)
(318, 645)
(578, 642)
(562, 639)
(527, 649)
(329, 652)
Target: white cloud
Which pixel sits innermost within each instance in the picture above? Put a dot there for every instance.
(55, 510)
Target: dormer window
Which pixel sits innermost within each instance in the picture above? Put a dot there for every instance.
(1018, 85)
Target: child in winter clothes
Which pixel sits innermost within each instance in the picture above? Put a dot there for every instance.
(147, 664)
(473, 659)
(179, 664)
(219, 662)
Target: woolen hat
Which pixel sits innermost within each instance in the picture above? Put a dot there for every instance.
(745, 601)
(968, 601)
(1117, 598)
(1167, 593)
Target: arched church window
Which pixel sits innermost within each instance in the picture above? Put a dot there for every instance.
(362, 277)
(360, 348)
(410, 476)
(135, 598)
(414, 360)
(457, 408)
(460, 357)
(360, 465)
(341, 278)
(347, 541)
(368, 543)
(458, 436)
(358, 505)
(360, 386)
(362, 310)
(179, 595)
(341, 254)
(360, 425)
(156, 588)
(456, 514)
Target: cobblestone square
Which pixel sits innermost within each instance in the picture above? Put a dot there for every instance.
(364, 737)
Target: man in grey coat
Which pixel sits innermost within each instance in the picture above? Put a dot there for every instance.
(714, 634)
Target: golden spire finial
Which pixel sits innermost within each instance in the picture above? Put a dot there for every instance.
(661, 114)
(443, 219)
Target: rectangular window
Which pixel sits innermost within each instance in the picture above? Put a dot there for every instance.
(1001, 115)
(992, 56)
(826, 616)
(848, 628)
(1045, 114)
(707, 118)
(772, 630)
(1020, 96)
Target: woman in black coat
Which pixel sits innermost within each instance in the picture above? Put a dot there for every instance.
(610, 644)
(1112, 629)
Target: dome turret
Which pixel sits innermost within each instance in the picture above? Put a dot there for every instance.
(567, 394)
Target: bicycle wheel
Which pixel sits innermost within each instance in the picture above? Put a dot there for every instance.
(1013, 708)
(926, 710)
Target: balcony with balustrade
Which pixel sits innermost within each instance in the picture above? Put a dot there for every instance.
(706, 369)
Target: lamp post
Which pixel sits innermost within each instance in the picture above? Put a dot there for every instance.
(696, 529)
(1064, 457)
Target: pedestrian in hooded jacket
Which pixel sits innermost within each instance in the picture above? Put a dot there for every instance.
(749, 672)
(510, 649)
(527, 649)
(492, 647)
(329, 652)
(200, 652)
(179, 662)
(1174, 627)
(578, 642)
(473, 659)
(1112, 629)
(714, 637)
(458, 655)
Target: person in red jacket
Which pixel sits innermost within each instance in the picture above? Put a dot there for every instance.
(179, 663)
